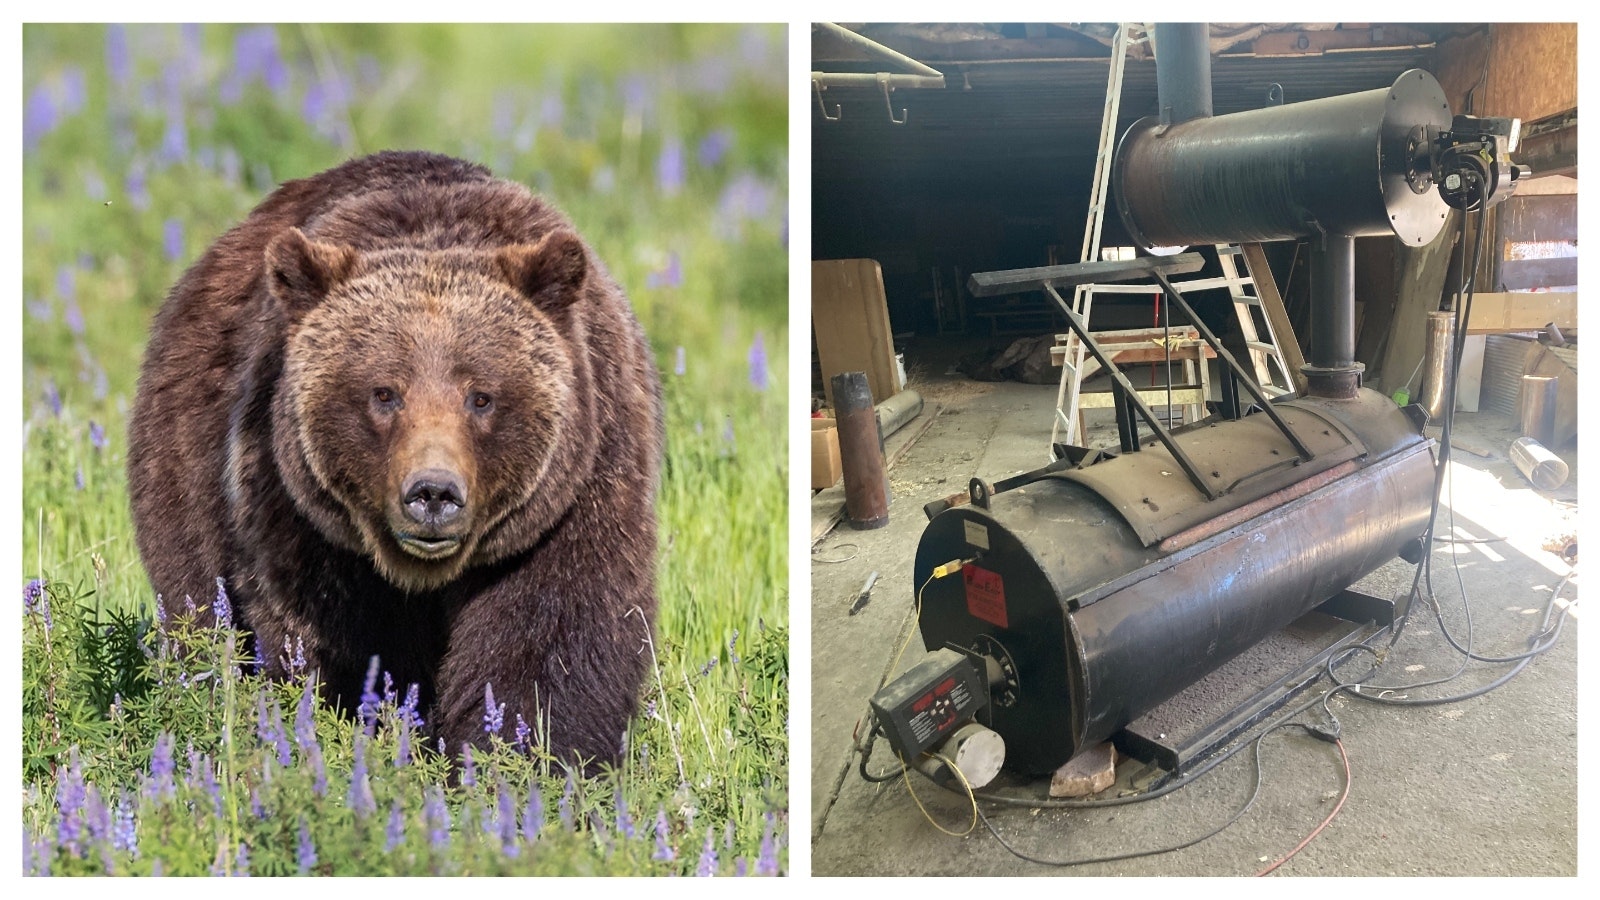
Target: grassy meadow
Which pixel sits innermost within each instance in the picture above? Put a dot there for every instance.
(150, 750)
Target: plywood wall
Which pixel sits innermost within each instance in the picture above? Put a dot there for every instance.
(1532, 69)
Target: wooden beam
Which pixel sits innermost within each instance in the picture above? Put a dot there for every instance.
(850, 316)
(1255, 258)
(1502, 313)
(1315, 43)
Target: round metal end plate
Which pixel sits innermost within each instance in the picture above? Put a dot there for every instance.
(979, 754)
(1415, 99)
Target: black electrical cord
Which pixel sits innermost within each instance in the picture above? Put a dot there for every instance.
(1254, 793)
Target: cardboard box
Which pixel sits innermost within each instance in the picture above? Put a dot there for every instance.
(825, 466)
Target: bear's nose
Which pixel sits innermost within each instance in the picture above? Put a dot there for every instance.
(433, 497)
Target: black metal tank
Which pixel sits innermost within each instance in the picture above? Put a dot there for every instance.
(1103, 591)
(1343, 165)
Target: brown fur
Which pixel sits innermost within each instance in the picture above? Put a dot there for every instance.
(400, 315)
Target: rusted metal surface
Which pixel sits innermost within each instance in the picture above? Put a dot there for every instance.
(1336, 165)
(1255, 508)
(866, 479)
(1100, 626)
(1242, 461)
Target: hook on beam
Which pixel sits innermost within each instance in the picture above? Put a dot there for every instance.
(838, 112)
(883, 82)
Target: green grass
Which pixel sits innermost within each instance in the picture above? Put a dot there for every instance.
(589, 116)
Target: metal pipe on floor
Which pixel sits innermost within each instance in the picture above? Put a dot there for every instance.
(866, 478)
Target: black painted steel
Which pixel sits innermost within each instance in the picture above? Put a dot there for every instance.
(1183, 70)
(1332, 370)
(1013, 281)
(1102, 626)
(1332, 165)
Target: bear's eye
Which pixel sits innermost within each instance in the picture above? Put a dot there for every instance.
(386, 397)
(480, 401)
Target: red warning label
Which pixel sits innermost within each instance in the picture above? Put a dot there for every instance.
(986, 595)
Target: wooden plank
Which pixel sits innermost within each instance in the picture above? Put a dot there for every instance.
(850, 316)
(1514, 311)
(1315, 43)
(1255, 258)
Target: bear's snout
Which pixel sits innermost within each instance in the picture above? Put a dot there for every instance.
(432, 500)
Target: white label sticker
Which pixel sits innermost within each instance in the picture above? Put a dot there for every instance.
(977, 534)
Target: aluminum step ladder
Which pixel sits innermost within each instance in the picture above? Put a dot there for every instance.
(1069, 390)
(1272, 373)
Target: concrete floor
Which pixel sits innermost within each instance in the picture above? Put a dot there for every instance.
(1483, 787)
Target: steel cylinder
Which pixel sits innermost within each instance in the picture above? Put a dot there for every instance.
(1340, 164)
(1183, 70)
(866, 479)
(1100, 604)
(1437, 354)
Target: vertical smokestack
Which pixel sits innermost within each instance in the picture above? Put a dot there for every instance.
(1183, 71)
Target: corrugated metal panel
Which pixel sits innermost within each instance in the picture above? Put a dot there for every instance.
(1504, 356)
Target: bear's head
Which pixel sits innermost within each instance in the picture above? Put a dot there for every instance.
(423, 392)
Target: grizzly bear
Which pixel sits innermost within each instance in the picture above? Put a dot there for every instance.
(403, 411)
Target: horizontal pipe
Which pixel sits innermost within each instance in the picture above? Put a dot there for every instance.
(874, 48)
(868, 79)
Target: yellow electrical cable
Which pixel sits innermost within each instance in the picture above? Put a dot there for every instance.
(971, 797)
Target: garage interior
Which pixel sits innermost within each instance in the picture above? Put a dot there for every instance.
(949, 158)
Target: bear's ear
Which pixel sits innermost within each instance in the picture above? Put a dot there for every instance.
(301, 271)
(551, 271)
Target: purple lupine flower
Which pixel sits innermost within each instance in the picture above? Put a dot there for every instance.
(319, 772)
(294, 658)
(367, 710)
(136, 189)
(564, 805)
(74, 90)
(679, 363)
(727, 438)
(360, 797)
(40, 309)
(52, 397)
(263, 720)
(161, 767)
(77, 479)
(494, 716)
(767, 860)
(714, 146)
(740, 867)
(395, 833)
(39, 117)
(221, 608)
(97, 821)
(706, 669)
(98, 440)
(101, 386)
(533, 814)
(402, 753)
(257, 808)
(175, 139)
(73, 316)
(280, 735)
(119, 63)
(523, 733)
(671, 275)
(408, 711)
(125, 832)
(389, 696)
(157, 870)
(624, 820)
(507, 810)
(172, 239)
(669, 168)
(305, 729)
(733, 655)
(241, 861)
(758, 363)
(36, 600)
(306, 854)
(70, 798)
(664, 851)
(551, 109)
(708, 855)
(469, 769)
(437, 815)
(745, 198)
(66, 283)
(229, 164)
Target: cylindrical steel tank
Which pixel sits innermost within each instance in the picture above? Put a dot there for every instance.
(1101, 592)
(1343, 165)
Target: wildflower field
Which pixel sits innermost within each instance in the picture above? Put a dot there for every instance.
(158, 750)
